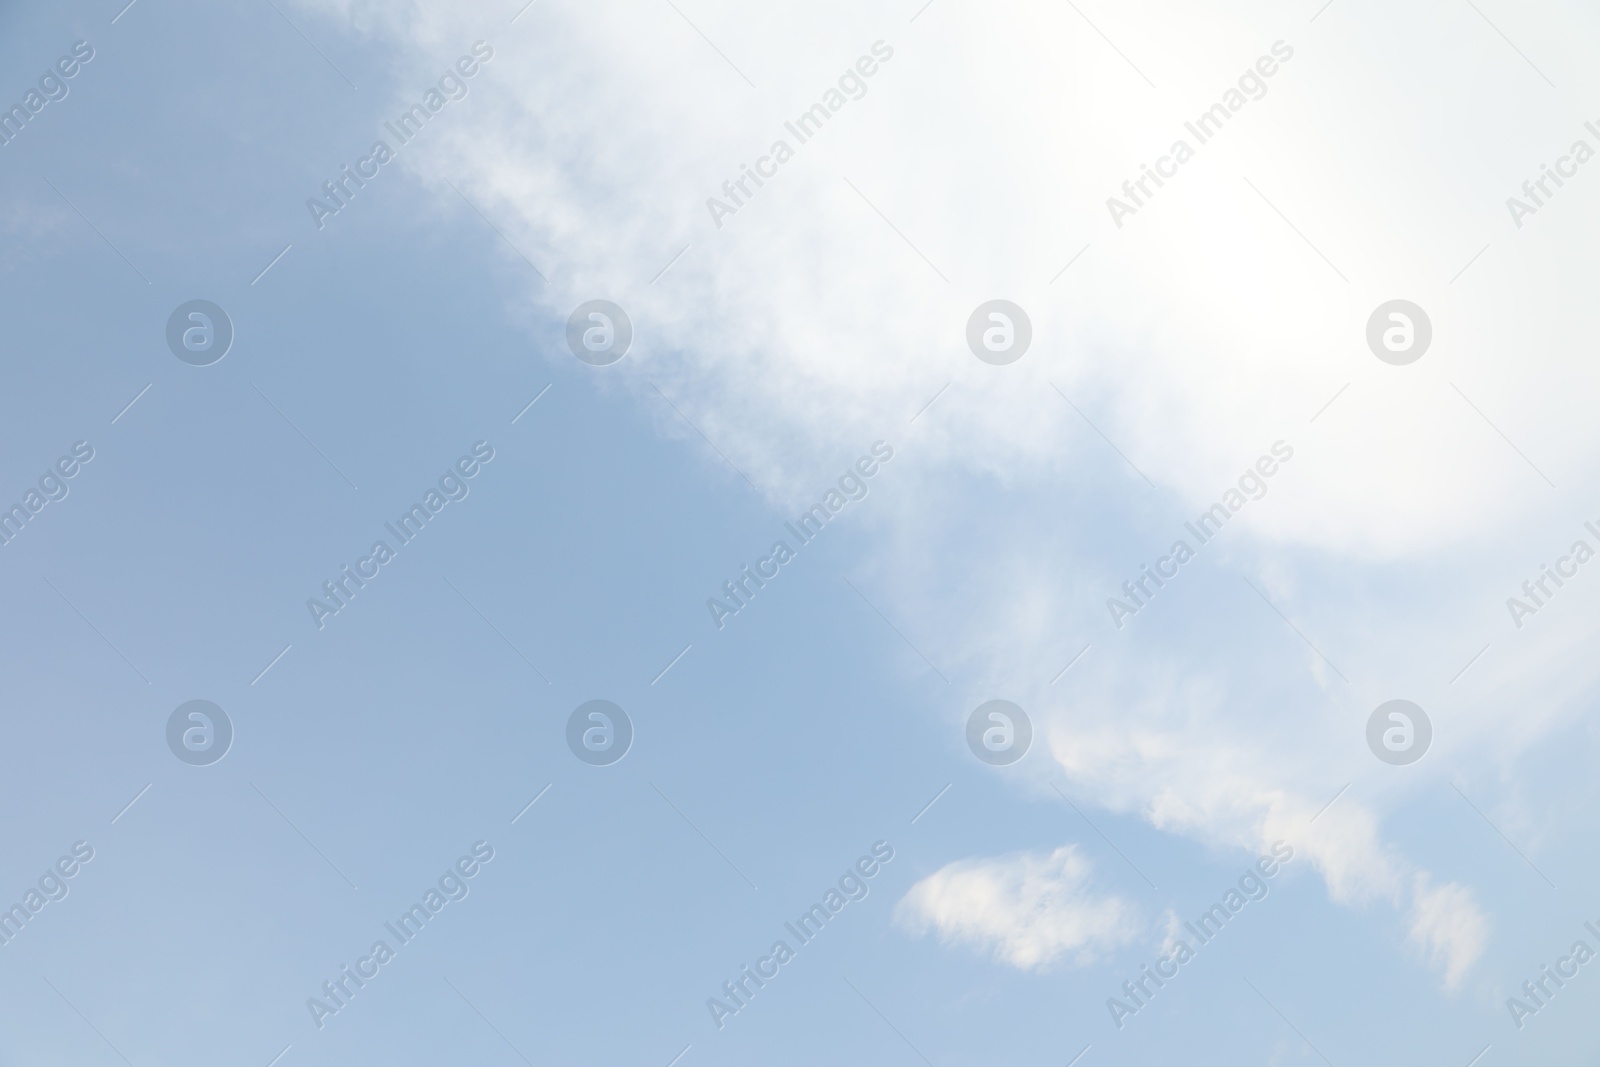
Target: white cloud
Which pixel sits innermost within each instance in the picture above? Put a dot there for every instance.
(1028, 910)
(1449, 928)
(1196, 335)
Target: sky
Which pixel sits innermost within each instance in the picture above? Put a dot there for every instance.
(580, 746)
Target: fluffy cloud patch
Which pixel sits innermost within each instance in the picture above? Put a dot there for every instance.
(1028, 910)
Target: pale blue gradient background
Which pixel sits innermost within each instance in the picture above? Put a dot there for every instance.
(407, 729)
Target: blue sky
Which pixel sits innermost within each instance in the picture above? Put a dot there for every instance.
(768, 354)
